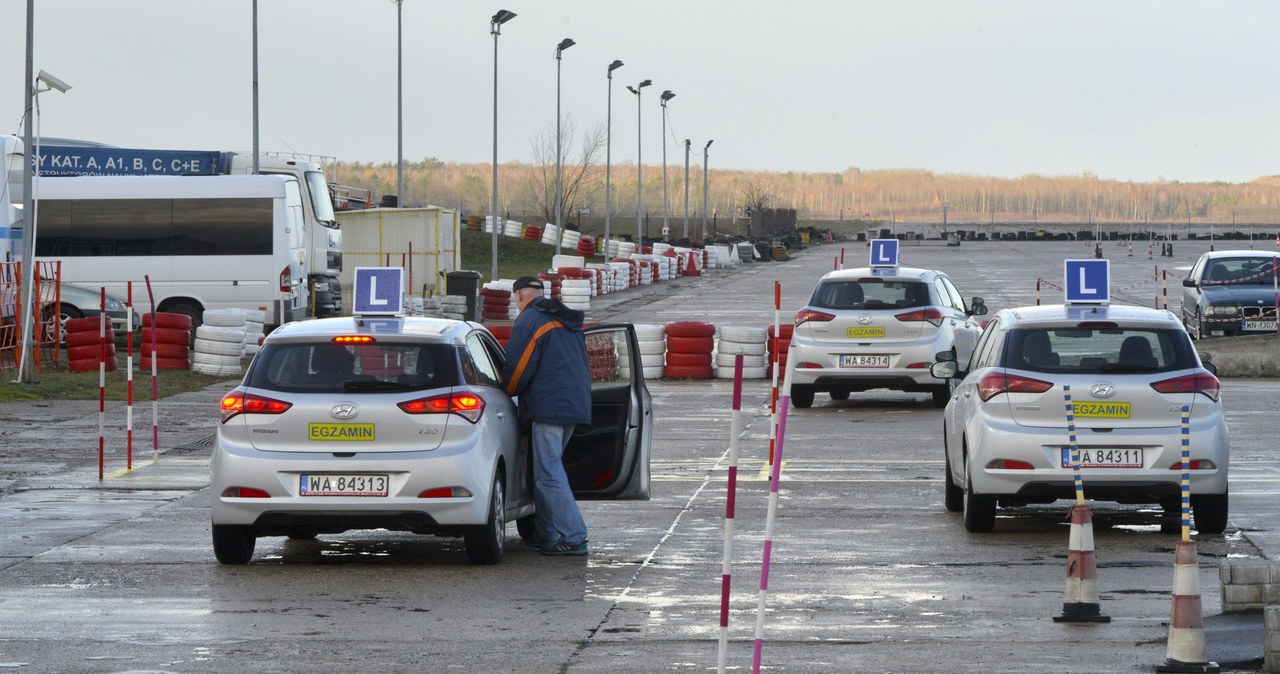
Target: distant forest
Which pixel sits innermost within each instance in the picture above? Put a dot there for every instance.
(897, 195)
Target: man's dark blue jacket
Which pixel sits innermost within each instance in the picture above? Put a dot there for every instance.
(547, 365)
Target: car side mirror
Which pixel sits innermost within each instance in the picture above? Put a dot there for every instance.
(944, 369)
(1188, 283)
(949, 354)
(1210, 368)
(978, 307)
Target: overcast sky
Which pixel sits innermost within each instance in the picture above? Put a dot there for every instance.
(1133, 90)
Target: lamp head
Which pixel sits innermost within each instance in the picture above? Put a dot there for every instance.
(502, 17)
(708, 145)
(52, 82)
(564, 44)
(644, 84)
(615, 65)
(666, 96)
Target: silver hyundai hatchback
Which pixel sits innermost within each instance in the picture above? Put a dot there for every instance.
(402, 423)
(880, 328)
(1130, 371)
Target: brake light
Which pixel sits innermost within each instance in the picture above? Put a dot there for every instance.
(1098, 325)
(238, 402)
(1194, 464)
(244, 492)
(806, 315)
(286, 279)
(467, 405)
(353, 339)
(926, 315)
(1009, 464)
(1200, 382)
(995, 383)
(445, 492)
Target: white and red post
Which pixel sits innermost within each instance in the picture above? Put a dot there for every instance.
(726, 565)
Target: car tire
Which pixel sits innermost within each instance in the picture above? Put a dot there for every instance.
(839, 394)
(979, 509)
(527, 526)
(801, 396)
(233, 543)
(941, 396)
(1209, 512)
(952, 494)
(195, 314)
(484, 542)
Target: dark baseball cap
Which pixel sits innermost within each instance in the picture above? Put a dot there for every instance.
(527, 282)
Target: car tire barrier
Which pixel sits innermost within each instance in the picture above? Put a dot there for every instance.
(85, 348)
(254, 330)
(602, 358)
(688, 338)
(219, 343)
(1080, 598)
(651, 344)
(751, 343)
(780, 346)
(172, 350)
(502, 333)
(496, 302)
(576, 294)
(1185, 650)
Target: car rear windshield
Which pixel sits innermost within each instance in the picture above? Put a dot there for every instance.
(1098, 350)
(325, 367)
(869, 294)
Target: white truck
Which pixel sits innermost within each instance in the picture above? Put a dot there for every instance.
(59, 158)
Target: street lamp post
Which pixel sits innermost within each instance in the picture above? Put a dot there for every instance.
(945, 206)
(495, 29)
(399, 107)
(686, 188)
(706, 151)
(666, 204)
(639, 165)
(608, 162)
(564, 44)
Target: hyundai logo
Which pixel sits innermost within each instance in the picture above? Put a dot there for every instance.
(344, 411)
(865, 320)
(1102, 390)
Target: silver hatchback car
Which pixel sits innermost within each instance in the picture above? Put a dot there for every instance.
(880, 328)
(1130, 371)
(402, 423)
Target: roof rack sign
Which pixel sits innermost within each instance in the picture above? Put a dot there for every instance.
(379, 291)
(884, 253)
(1087, 281)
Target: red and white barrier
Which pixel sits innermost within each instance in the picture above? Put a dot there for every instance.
(1185, 651)
(726, 564)
(1080, 598)
(775, 476)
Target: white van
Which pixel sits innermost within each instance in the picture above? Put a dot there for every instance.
(211, 242)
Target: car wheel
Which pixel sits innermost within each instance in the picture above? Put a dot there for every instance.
(941, 395)
(801, 396)
(1209, 512)
(838, 394)
(1170, 516)
(979, 509)
(233, 543)
(193, 313)
(527, 526)
(952, 494)
(484, 542)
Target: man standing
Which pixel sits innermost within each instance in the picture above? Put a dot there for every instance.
(546, 367)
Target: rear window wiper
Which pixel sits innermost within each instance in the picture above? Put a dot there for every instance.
(373, 385)
(1126, 367)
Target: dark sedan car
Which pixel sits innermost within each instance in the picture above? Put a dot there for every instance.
(1230, 293)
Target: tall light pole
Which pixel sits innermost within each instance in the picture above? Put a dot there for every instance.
(399, 106)
(666, 204)
(608, 163)
(686, 188)
(706, 151)
(639, 165)
(564, 44)
(495, 29)
(255, 88)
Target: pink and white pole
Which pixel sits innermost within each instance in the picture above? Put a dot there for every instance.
(735, 429)
(775, 475)
(128, 408)
(102, 383)
(773, 397)
(155, 387)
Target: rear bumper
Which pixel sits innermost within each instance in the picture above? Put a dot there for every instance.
(829, 375)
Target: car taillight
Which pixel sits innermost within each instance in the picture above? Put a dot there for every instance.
(926, 315)
(467, 405)
(244, 492)
(1200, 382)
(286, 280)
(238, 402)
(806, 315)
(995, 383)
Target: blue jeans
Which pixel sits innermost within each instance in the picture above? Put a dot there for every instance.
(558, 518)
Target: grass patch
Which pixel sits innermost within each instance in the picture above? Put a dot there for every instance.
(58, 383)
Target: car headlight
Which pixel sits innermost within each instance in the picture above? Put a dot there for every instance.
(1222, 311)
(114, 304)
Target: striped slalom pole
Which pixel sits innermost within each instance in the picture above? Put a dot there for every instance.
(1185, 650)
(735, 429)
(102, 384)
(128, 408)
(777, 358)
(1080, 597)
(155, 386)
(775, 475)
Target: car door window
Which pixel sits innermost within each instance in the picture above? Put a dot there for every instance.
(982, 352)
(956, 298)
(486, 372)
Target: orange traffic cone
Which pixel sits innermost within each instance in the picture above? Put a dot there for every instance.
(1080, 600)
(1185, 652)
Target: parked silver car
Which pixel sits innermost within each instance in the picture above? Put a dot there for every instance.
(1130, 371)
(880, 328)
(401, 423)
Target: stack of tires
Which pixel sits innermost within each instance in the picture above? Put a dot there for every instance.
(586, 246)
(553, 284)
(569, 239)
(747, 341)
(602, 357)
(454, 306)
(576, 293)
(652, 346)
(512, 229)
(84, 344)
(781, 347)
(532, 233)
(689, 347)
(502, 333)
(254, 330)
(219, 344)
(172, 350)
(550, 233)
(496, 301)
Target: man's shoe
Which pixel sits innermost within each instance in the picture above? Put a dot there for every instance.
(563, 549)
(534, 542)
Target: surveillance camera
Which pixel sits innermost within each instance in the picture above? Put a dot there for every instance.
(53, 82)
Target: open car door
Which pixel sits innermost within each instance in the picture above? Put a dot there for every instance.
(610, 459)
